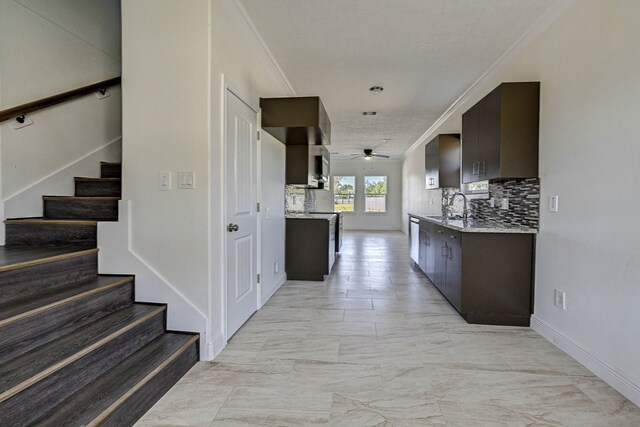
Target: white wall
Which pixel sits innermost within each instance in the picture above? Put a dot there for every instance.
(272, 215)
(175, 62)
(359, 220)
(48, 47)
(588, 64)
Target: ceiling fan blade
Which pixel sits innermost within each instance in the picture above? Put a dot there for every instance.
(381, 155)
(356, 156)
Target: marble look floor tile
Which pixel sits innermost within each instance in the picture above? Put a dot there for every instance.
(373, 316)
(279, 399)
(376, 408)
(274, 373)
(343, 329)
(335, 377)
(372, 294)
(377, 344)
(463, 414)
(187, 404)
(318, 349)
(231, 417)
(379, 350)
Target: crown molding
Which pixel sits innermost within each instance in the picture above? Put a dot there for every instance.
(255, 34)
(544, 22)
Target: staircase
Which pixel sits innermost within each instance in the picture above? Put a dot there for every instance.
(75, 347)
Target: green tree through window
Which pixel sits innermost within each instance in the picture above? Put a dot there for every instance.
(344, 193)
(375, 193)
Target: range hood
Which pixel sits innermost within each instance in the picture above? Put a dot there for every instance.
(296, 120)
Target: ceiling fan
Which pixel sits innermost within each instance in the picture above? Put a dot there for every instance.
(368, 155)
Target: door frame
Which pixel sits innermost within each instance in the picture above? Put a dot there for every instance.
(229, 86)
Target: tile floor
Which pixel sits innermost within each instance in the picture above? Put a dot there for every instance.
(377, 345)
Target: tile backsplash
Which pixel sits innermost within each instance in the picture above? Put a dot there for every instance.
(524, 203)
(299, 199)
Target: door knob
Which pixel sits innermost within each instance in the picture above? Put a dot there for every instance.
(232, 227)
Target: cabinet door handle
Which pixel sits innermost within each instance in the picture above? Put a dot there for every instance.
(450, 257)
(482, 167)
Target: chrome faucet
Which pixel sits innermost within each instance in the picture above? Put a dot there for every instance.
(465, 210)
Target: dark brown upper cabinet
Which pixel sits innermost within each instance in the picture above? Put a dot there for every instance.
(500, 134)
(307, 166)
(442, 161)
(296, 120)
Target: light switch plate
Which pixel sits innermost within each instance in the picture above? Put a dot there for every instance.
(560, 299)
(186, 180)
(164, 181)
(504, 204)
(553, 203)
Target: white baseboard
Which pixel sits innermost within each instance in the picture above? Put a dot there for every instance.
(268, 292)
(612, 376)
(215, 347)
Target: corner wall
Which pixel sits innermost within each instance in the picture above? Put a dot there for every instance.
(588, 64)
(176, 60)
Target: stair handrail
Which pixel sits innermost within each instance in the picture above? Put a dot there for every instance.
(30, 107)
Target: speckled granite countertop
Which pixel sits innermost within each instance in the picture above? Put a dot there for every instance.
(302, 215)
(472, 226)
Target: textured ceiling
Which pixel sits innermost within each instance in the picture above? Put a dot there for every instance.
(425, 53)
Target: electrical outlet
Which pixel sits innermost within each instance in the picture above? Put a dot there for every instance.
(164, 181)
(553, 203)
(504, 204)
(560, 299)
(186, 180)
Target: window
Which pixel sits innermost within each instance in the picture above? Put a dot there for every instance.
(476, 190)
(344, 193)
(375, 193)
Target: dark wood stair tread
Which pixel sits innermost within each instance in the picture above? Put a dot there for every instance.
(13, 310)
(19, 257)
(93, 179)
(95, 402)
(41, 220)
(81, 197)
(41, 362)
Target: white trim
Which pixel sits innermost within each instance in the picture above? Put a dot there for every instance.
(609, 374)
(215, 347)
(57, 171)
(258, 131)
(228, 85)
(264, 49)
(275, 285)
(551, 15)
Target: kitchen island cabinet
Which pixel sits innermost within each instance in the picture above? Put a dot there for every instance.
(310, 246)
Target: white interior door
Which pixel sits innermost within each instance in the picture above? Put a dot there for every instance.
(241, 161)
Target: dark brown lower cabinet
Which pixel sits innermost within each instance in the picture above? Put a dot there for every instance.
(310, 248)
(487, 277)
